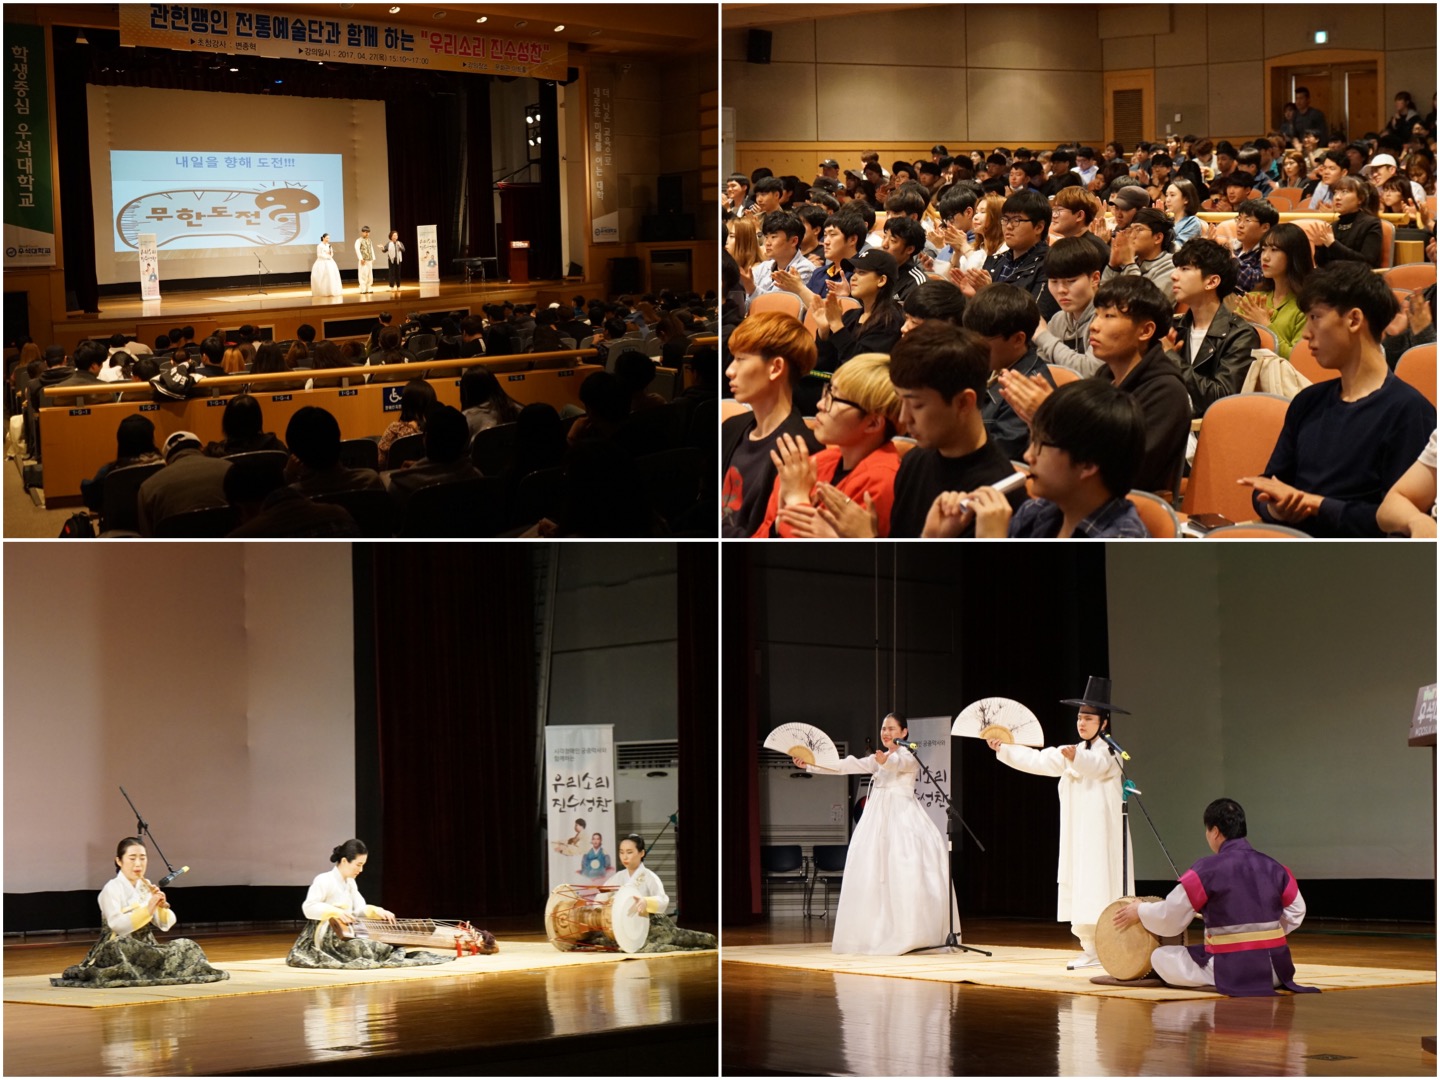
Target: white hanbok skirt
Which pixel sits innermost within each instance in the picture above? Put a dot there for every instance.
(325, 278)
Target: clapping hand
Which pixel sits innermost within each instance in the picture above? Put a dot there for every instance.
(795, 469)
(1024, 392)
(1252, 309)
(804, 522)
(1321, 233)
(845, 515)
(787, 280)
(1417, 311)
(834, 313)
(1121, 253)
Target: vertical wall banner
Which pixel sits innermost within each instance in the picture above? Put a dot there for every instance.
(29, 183)
(149, 267)
(580, 803)
(932, 735)
(429, 251)
(604, 187)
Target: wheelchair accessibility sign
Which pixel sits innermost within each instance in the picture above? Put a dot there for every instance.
(392, 398)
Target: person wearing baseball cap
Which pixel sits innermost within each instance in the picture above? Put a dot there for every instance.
(189, 481)
(830, 168)
(1381, 168)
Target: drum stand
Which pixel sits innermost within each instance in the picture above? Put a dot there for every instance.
(951, 941)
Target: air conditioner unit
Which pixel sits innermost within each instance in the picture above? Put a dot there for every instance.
(802, 808)
(647, 785)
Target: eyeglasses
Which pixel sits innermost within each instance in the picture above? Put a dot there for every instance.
(828, 399)
(1013, 222)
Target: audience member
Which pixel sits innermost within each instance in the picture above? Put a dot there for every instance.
(1211, 345)
(134, 445)
(771, 353)
(1144, 251)
(636, 372)
(1409, 506)
(1072, 270)
(189, 481)
(314, 467)
(1182, 203)
(1254, 218)
(447, 438)
(1285, 264)
(1356, 235)
(417, 401)
(1074, 211)
(1346, 441)
(1087, 440)
(1005, 318)
(484, 402)
(934, 300)
(856, 419)
(271, 509)
(242, 424)
(87, 358)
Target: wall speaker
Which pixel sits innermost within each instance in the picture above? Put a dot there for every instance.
(668, 195)
(757, 46)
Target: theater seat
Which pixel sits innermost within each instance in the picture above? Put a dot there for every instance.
(1411, 276)
(1305, 363)
(673, 480)
(455, 509)
(492, 449)
(259, 458)
(213, 522)
(538, 496)
(372, 509)
(406, 448)
(1061, 374)
(118, 508)
(1259, 531)
(360, 454)
(1416, 367)
(1236, 440)
(1155, 514)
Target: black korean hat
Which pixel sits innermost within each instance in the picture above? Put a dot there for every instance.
(1097, 696)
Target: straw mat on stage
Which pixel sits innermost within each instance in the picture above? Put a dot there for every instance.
(1034, 969)
(272, 976)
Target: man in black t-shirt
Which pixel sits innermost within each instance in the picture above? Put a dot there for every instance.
(940, 372)
(771, 353)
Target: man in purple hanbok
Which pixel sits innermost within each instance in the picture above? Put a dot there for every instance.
(1250, 903)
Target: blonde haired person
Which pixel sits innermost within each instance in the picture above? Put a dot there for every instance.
(859, 414)
(1073, 214)
(234, 361)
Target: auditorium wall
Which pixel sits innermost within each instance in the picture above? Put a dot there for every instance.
(613, 651)
(898, 80)
(194, 680)
(1284, 680)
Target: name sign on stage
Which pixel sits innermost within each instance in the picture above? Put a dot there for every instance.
(429, 253)
(149, 267)
(255, 32)
(1422, 722)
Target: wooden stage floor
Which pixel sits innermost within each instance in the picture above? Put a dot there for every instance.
(589, 1019)
(794, 1023)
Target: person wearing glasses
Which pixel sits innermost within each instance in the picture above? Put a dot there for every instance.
(858, 416)
(1025, 219)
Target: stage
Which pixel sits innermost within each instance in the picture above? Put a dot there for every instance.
(281, 308)
(525, 1022)
(785, 1022)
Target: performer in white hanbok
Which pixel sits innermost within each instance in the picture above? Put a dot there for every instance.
(324, 275)
(365, 255)
(335, 898)
(897, 872)
(128, 953)
(664, 935)
(1090, 783)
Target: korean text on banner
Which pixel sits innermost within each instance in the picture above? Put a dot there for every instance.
(931, 734)
(429, 251)
(29, 183)
(580, 804)
(149, 268)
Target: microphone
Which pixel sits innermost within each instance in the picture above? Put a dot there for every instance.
(173, 875)
(1115, 746)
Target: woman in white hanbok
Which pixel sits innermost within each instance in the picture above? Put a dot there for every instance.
(1088, 876)
(324, 275)
(896, 888)
(651, 900)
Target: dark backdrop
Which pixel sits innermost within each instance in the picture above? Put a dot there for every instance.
(1026, 622)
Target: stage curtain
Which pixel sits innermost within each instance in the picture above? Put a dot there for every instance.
(1036, 619)
(452, 664)
(697, 714)
(739, 737)
(72, 141)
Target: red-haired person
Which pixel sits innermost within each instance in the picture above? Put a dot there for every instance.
(771, 353)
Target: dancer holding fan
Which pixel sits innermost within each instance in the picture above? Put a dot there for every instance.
(1089, 874)
(890, 899)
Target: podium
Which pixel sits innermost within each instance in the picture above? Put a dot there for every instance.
(518, 268)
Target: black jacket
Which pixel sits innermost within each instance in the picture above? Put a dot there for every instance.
(1156, 384)
(1218, 369)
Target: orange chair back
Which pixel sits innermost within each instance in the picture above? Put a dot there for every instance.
(1294, 194)
(1305, 363)
(1268, 339)
(730, 407)
(1236, 439)
(1156, 515)
(1417, 367)
(1061, 375)
(1387, 245)
(1411, 276)
(783, 302)
(1261, 531)
(1280, 202)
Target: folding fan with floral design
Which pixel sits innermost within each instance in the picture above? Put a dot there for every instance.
(806, 742)
(999, 718)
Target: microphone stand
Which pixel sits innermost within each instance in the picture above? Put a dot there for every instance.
(1128, 789)
(951, 942)
(142, 829)
(260, 269)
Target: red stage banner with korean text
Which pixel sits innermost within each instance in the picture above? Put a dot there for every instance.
(335, 38)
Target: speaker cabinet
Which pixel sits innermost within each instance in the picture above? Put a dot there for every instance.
(757, 46)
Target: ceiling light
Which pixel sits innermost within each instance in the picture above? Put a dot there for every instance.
(559, 28)
(483, 18)
(395, 10)
(80, 38)
(537, 140)
(234, 69)
(532, 142)
(440, 14)
(522, 24)
(596, 33)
